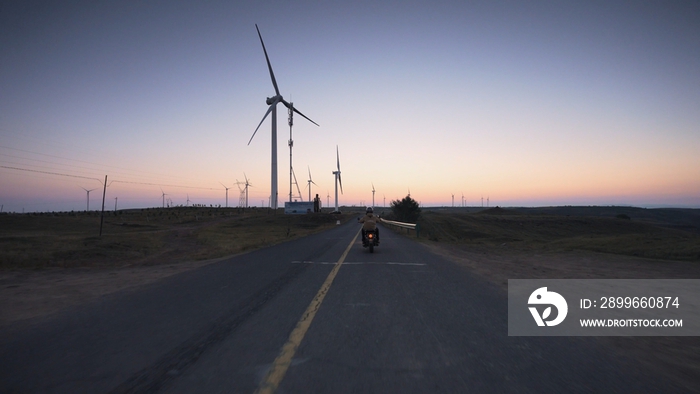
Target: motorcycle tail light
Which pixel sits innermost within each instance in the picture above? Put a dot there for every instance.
(371, 235)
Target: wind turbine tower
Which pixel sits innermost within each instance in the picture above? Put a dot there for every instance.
(188, 196)
(337, 180)
(272, 103)
(372, 195)
(161, 190)
(243, 200)
(310, 181)
(453, 200)
(88, 197)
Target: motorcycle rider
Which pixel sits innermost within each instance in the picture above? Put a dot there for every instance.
(369, 223)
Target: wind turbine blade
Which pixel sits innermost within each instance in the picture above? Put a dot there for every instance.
(261, 122)
(269, 66)
(286, 104)
(340, 181)
(337, 155)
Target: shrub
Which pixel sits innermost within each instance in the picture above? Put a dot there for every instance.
(405, 210)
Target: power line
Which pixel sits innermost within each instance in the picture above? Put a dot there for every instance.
(164, 185)
(136, 173)
(114, 181)
(50, 173)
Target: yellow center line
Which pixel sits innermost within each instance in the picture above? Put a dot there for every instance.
(279, 367)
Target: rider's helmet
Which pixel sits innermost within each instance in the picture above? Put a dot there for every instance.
(370, 210)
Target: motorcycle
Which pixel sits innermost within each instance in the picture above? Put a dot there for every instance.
(370, 240)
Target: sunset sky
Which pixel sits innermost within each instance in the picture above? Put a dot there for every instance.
(526, 103)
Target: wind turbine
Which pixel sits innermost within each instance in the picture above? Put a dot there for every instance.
(309, 182)
(161, 190)
(453, 200)
(188, 197)
(246, 189)
(188, 200)
(337, 180)
(88, 197)
(272, 102)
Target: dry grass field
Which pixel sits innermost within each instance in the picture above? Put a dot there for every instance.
(145, 236)
(654, 236)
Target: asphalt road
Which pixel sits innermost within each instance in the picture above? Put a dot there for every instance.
(398, 320)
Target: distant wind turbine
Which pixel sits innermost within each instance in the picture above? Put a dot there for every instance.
(453, 200)
(161, 190)
(373, 195)
(246, 189)
(88, 197)
(309, 182)
(225, 187)
(337, 180)
(272, 102)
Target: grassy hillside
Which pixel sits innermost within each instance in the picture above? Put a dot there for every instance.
(661, 235)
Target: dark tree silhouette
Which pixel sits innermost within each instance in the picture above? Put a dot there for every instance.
(406, 210)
